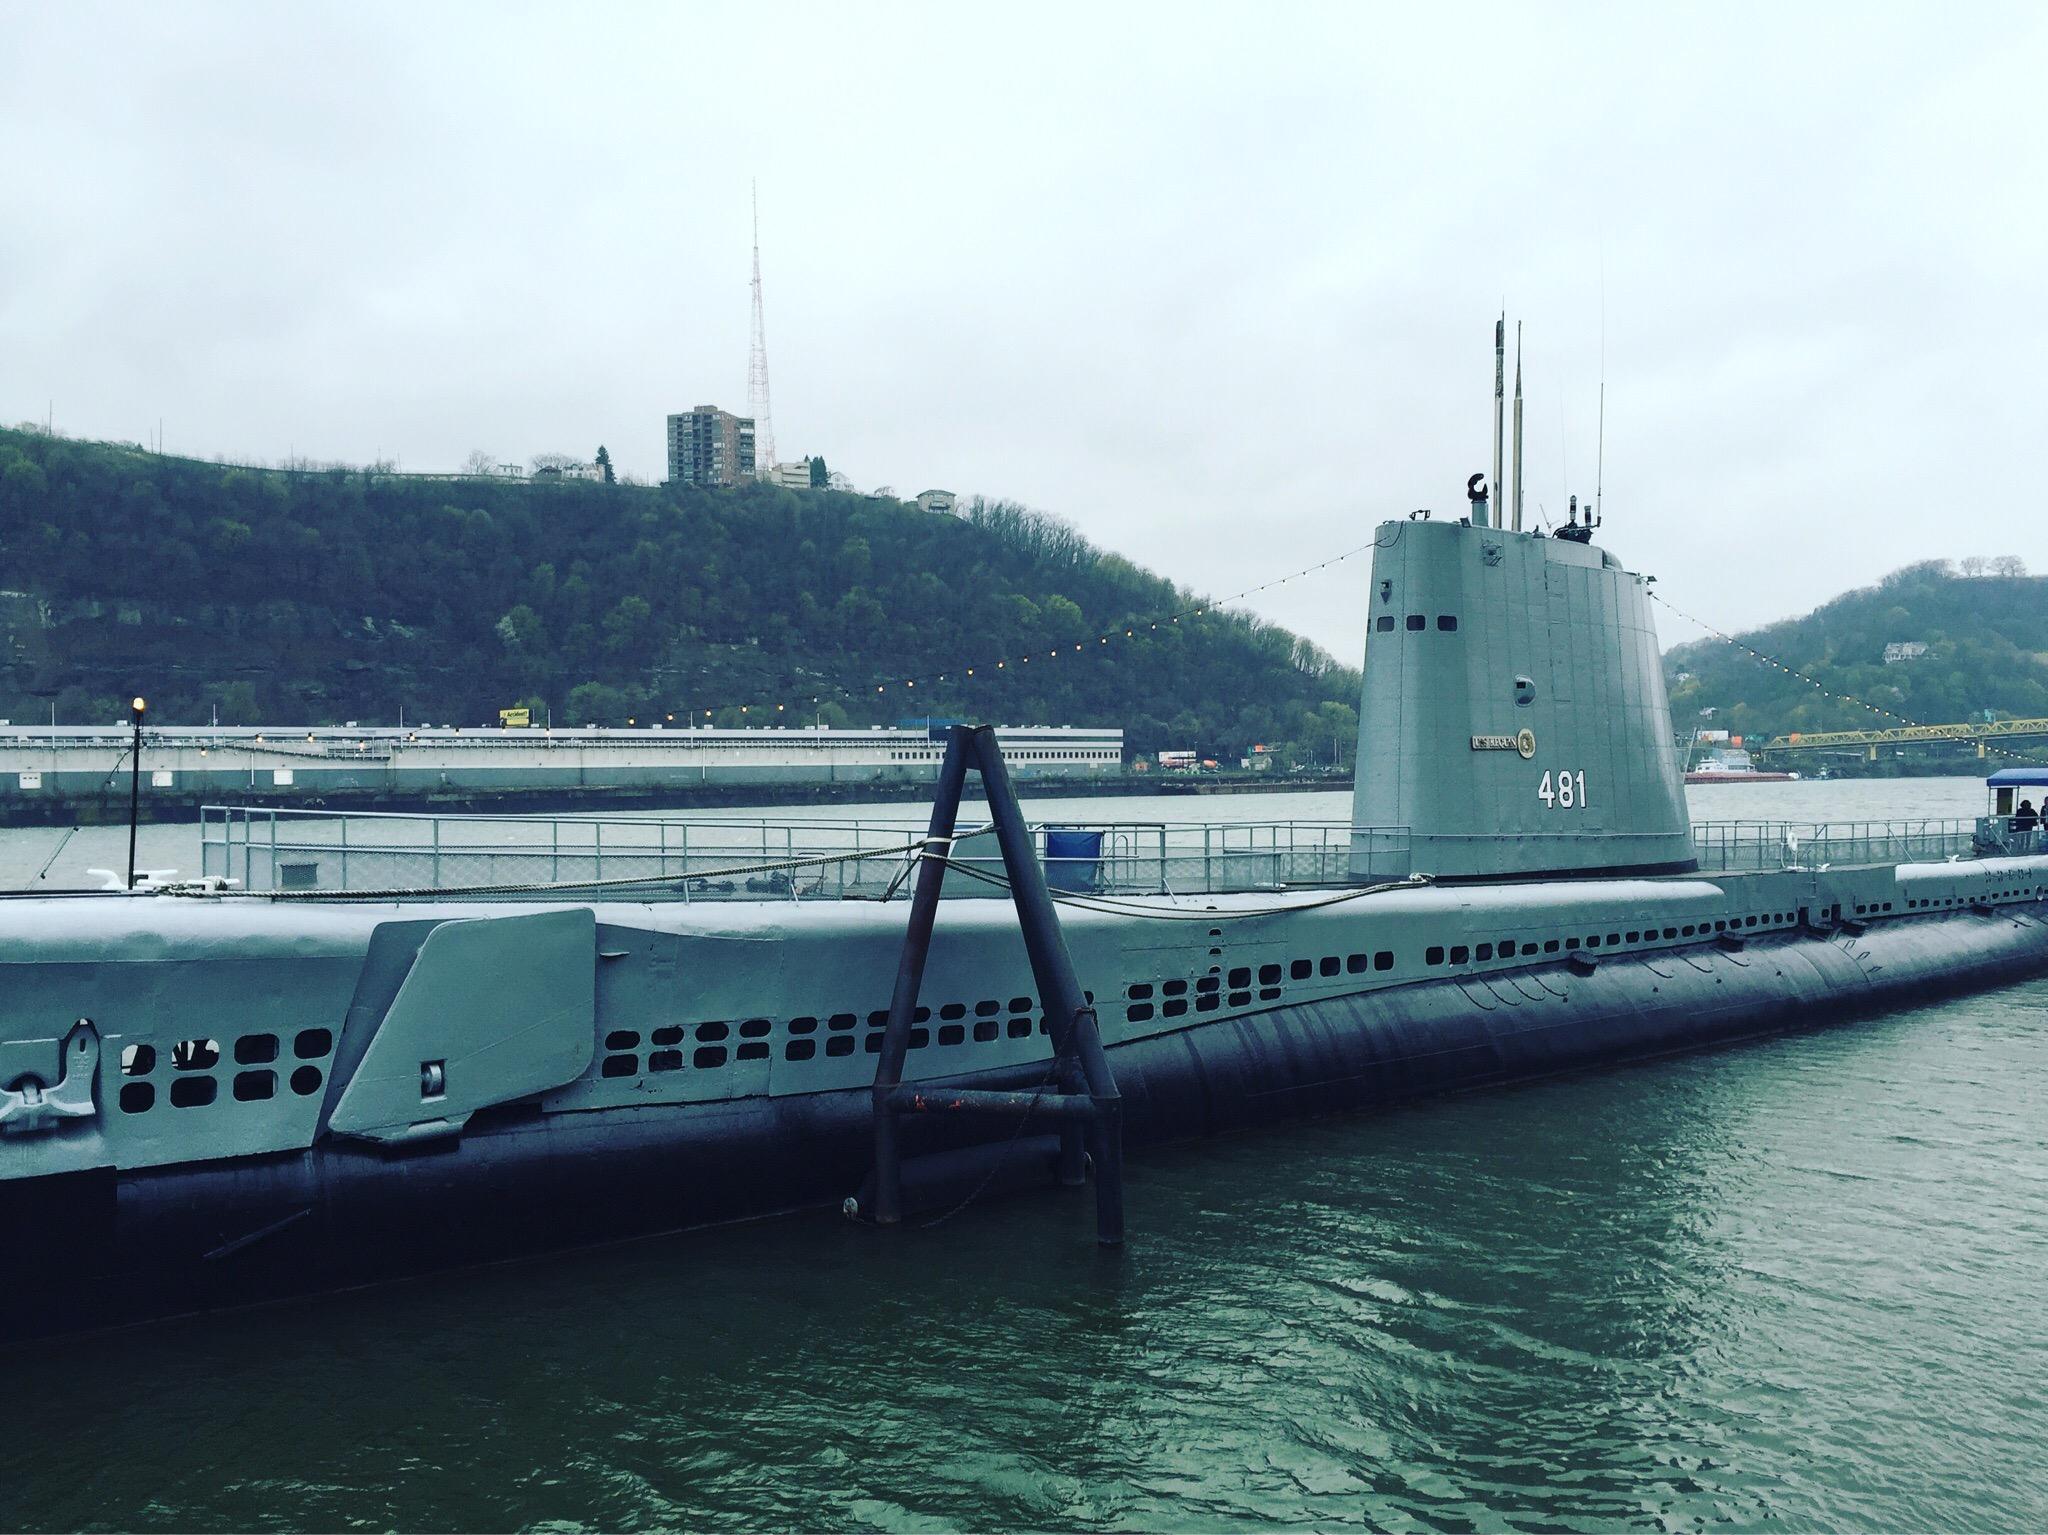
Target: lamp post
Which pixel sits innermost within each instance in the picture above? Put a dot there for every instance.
(136, 709)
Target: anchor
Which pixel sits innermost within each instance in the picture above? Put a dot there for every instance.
(31, 1107)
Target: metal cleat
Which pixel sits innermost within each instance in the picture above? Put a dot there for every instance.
(32, 1107)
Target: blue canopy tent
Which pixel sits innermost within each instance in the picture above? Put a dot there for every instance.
(2008, 788)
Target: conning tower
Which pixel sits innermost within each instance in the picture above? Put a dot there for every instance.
(1513, 719)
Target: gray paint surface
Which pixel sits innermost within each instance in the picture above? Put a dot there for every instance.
(499, 1009)
(1440, 703)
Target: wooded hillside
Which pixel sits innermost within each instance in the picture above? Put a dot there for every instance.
(327, 595)
(1987, 648)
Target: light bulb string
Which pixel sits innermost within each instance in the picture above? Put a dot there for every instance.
(1008, 665)
(1823, 688)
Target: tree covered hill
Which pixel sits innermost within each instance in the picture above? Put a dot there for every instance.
(1987, 648)
(335, 594)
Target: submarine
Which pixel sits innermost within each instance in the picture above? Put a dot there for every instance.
(210, 1096)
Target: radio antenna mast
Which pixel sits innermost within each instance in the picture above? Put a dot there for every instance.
(1600, 460)
(1518, 426)
(757, 363)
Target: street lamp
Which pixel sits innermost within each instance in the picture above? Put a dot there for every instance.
(136, 709)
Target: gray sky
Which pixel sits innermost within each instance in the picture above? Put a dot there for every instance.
(1215, 283)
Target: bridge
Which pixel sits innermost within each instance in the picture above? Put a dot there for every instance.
(1869, 741)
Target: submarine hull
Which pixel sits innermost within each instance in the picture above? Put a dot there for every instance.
(104, 1248)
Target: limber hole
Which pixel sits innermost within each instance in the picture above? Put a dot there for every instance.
(256, 1049)
(194, 1055)
(193, 1092)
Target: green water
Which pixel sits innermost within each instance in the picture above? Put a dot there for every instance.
(1796, 1285)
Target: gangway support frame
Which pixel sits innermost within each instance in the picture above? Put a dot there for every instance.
(1086, 1105)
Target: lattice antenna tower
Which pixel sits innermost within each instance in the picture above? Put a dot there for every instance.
(757, 364)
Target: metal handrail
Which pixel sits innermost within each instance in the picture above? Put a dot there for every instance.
(271, 848)
(388, 850)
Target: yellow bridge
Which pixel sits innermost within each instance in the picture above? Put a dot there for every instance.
(1868, 741)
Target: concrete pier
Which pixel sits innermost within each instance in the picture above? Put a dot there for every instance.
(74, 773)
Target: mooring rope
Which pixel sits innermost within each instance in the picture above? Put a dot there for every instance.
(1115, 906)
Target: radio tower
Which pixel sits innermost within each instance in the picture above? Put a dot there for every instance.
(757, 365)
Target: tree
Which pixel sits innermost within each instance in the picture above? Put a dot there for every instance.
(522, 631)
(594, 703)
(236, 702)
(480, 463)
(2008, 565)
(1336, 725)
(1974, 565)
(626, 625)
(604, 462)
(556, 461)
(819, 478)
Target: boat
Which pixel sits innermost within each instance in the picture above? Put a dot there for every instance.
(345, 1056)
(1733, 765)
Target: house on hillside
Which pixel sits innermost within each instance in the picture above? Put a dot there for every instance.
(1903, 650)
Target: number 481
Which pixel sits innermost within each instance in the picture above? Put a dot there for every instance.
(1568, 792)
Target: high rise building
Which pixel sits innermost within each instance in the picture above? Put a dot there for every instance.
(709, 446)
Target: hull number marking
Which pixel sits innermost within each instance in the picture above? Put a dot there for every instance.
(1566, 792)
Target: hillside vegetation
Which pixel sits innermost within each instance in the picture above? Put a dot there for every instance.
(1987, 648)
(337, 594)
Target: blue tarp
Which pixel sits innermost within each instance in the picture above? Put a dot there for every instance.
(2020, 777)
(1071, 857)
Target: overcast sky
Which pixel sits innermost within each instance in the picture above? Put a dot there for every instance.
(1215, 283)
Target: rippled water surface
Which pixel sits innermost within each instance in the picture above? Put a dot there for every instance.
(1801, 1284)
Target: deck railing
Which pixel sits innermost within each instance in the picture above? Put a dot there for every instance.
(731, 858)
(755, 858)
(1726, 847)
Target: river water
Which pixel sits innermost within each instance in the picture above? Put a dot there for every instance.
(1801, 1284)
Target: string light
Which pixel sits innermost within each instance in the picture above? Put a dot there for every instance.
(1823, 688)
(1130, 631)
